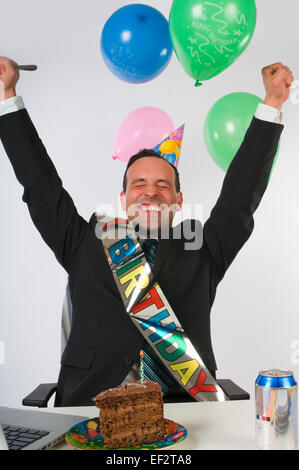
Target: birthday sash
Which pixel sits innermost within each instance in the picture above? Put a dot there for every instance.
(150, 311)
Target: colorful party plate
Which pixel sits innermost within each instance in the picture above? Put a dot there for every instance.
(87, 436)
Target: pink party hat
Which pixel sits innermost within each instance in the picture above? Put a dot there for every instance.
(170, 147)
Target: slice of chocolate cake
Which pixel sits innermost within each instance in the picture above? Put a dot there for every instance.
(131, 415)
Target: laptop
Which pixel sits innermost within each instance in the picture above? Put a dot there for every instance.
(33, 430)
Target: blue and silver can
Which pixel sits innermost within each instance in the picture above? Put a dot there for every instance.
(276, 410)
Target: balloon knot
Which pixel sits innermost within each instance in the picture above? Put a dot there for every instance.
(114, 158)
(197, 83)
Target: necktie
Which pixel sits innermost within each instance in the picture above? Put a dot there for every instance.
(149, 247)
(151, 368)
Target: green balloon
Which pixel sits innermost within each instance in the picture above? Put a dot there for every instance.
(208, 36)
(226, 125)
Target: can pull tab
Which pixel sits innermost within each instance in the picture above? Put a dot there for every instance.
(276, 373)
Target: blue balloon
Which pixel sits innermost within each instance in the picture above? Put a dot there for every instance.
(135, 43)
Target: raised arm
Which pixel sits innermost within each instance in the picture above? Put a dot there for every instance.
(231, 221)
(51, 207)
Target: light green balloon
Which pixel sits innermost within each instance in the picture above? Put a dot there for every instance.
(226, 125)
(208, 36)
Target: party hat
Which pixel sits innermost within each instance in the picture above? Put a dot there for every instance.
(170, 147)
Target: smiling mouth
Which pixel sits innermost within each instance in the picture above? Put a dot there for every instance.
(150, 207)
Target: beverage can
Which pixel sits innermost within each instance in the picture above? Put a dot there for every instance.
(276, 410)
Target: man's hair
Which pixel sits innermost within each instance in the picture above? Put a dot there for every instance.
(150, 153)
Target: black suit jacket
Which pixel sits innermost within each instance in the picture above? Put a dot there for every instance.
(103, 342)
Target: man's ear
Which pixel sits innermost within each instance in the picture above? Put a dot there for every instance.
(179, 201)
(123, 200)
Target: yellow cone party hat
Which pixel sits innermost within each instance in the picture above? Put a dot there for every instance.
(170, 147)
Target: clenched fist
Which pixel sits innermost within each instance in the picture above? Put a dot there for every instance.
(9, 77)
(278, 79)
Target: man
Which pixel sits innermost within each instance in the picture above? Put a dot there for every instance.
(103, 348)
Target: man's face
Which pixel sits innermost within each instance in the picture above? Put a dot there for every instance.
(151, 198)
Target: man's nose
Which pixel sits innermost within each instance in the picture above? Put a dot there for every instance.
(150, 191)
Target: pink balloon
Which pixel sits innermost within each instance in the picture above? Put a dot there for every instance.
(143, 128)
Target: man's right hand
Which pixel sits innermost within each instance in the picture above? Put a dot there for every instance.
(9, 77)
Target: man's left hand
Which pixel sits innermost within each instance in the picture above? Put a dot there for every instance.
(278, 79)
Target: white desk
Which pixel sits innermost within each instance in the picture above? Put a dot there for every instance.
(210, 425)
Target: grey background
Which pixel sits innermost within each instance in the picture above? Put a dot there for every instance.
(77, 106)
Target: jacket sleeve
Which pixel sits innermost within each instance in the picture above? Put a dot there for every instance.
(50, 206)
(231, 221)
